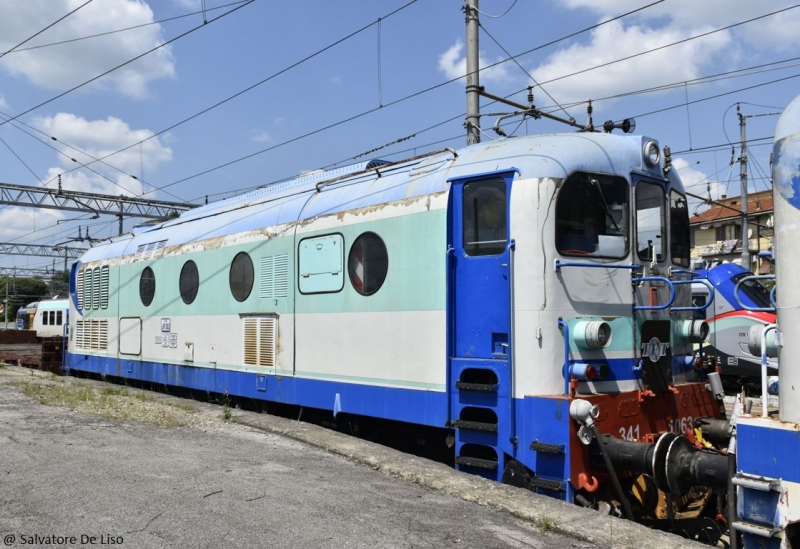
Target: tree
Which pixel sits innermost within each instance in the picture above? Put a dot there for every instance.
(22, 291)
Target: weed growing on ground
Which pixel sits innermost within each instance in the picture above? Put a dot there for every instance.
(227, 413)
(546, 523)
(109, 402)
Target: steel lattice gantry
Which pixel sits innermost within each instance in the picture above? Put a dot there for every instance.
(25, 272)
(41, 251)
(76, 201)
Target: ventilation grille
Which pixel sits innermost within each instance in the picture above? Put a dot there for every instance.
(92, 334)
(104, 287)
(79, 286)
(259, 340)
(92, 288)
(150, 251)
(274, 277)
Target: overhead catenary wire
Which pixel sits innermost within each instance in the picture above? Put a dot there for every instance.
(347, 120)
(697, 81)
(86, 165)
(21, 160)
(370, 111)
(125, 29)
(128, 62)
(259, 83)
(529, 75)
(44, 29)
(514, 3)
(659, 48)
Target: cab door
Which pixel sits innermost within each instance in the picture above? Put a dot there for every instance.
(480, 255)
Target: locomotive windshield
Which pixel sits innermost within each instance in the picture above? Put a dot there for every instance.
(754, 290)
(650, 221)
(592, 216)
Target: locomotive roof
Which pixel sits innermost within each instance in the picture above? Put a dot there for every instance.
(376, 182)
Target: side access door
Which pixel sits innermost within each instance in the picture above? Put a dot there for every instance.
(480, 343)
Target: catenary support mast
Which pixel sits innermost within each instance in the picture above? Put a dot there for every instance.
(473, 122)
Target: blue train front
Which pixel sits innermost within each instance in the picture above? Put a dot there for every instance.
(529, 297)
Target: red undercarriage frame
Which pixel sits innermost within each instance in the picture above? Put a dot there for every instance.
(641, 416)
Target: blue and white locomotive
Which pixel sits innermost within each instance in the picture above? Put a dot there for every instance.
(529, 296)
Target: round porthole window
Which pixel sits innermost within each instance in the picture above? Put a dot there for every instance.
(368, 263)
(189, 282)
(241, 276)
(147, 286)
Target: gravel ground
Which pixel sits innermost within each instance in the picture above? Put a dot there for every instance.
(139, 469)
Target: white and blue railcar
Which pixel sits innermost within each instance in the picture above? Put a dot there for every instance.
(768, 445)
(485, 291)
(50, 317)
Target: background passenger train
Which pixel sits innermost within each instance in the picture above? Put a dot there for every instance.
(729, 322)
(51, 317)
(526, 297)
(25, 316)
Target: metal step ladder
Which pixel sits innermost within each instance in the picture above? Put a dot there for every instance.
(756, 510)
(480, 416)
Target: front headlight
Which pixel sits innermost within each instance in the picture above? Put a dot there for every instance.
(592, 334)
(652, 154)
(695, 331)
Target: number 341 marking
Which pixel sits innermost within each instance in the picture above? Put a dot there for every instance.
(631, 433)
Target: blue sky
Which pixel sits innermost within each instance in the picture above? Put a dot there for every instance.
(378, 69)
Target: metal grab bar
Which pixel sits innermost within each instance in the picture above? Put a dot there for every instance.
(756, 309)
(565, 326)
(708, 303)
(655, 307)
(510, 248)
(693, 274)
(764, 399)
(558, 265)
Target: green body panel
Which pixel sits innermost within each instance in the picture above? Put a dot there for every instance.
(416, 245)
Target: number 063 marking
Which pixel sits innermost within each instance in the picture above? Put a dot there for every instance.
(680, 426)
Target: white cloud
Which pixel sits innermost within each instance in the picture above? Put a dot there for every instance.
(19, 222)
(691, 178)
(3, 102)
(66, 65)
(715, 13)
(697, 183)
(336, 80)
(614, 41)
(260, 136)
(453, 65)
(657, 26)
(97, 139)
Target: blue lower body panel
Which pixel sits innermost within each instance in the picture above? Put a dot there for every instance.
(409, 405)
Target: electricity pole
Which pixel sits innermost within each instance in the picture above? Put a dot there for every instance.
(6, 307)
(743, 177)
(473, 121)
